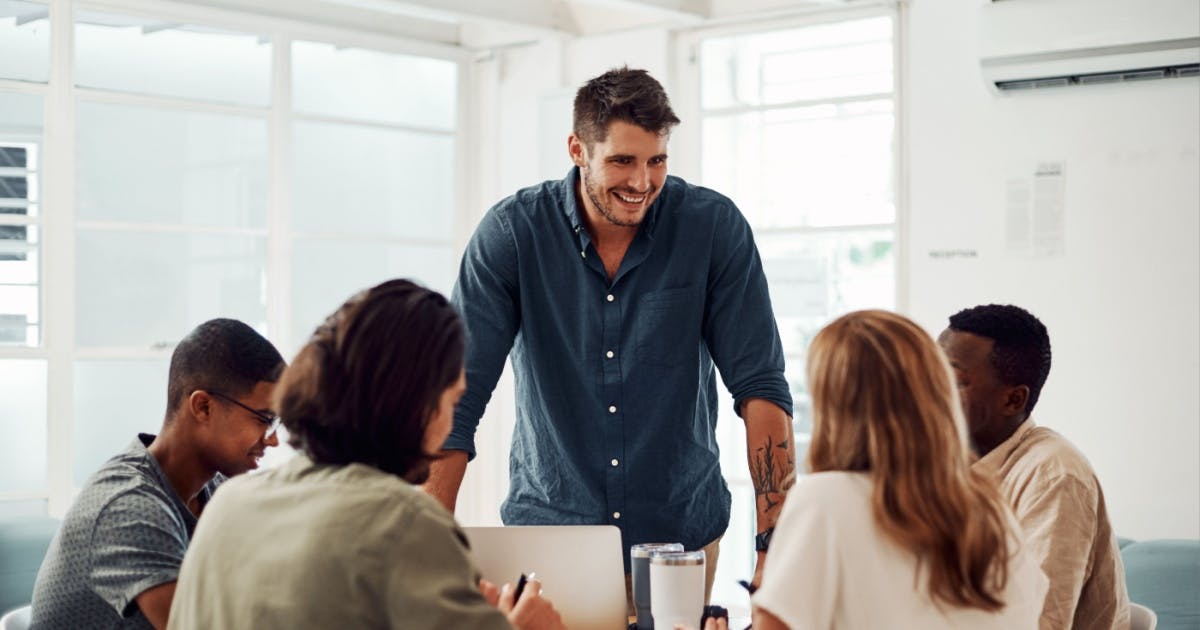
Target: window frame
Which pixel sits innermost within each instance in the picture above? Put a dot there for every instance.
(688, 147)
(57, 221)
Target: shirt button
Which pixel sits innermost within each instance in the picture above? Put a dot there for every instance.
(583, 254)
(612, 409)
(616, 515)
(610, 297)
(615, 462)
(609, 354)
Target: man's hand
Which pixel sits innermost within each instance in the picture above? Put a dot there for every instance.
(533, 612)
(716, 624)
(445, 477)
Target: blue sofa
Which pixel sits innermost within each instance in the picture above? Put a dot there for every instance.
(23, 544)
(1164, 576)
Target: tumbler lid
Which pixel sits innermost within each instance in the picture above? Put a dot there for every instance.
(643, 550)
(677, 558)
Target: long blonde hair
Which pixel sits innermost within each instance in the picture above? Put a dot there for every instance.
(884, 402)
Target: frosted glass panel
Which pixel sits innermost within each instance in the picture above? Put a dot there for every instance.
(318, 287)
(810, 166)
(24, 41)
(814, 62)
(370, 85)
(148, 165)
(350, 179)
(20, 118)
(114, 401)
(23, 509)
(817, 277)
(148, 56)
(149, 290)
(22, 425)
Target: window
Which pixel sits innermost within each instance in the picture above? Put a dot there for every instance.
(373, 157)
(797, 127)
(24, 40)
(20, 322)
(170, 207)
(24, 68)
(208, 180)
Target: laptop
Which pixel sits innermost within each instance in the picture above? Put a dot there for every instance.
(580, 568)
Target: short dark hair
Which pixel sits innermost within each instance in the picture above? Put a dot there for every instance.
(364, 388)
(224, 355)
(1021, 344)
(623, 94)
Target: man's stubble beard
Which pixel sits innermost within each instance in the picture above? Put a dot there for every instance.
(589, 188)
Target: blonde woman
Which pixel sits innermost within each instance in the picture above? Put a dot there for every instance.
(892, 528)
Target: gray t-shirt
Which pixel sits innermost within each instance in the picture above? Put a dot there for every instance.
(126, 533)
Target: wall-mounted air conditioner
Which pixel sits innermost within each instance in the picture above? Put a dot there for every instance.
(1056, 43)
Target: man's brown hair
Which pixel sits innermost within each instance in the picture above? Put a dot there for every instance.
(632, 96)
(364, 388)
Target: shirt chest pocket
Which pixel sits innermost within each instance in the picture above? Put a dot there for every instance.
(667, 325)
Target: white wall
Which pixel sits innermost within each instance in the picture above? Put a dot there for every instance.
(1123, 303)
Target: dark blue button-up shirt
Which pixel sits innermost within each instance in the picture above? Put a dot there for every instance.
(615, 387)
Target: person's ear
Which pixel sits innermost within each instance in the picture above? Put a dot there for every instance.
(576, 149)
(200, 405)
(1015, 400)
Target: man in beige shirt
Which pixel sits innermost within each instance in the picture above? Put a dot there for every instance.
(1001, 357)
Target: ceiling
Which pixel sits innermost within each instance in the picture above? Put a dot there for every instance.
(489, 23)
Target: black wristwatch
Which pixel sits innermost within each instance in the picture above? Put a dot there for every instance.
(763, 540)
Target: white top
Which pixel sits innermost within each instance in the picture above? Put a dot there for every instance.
(830, 566)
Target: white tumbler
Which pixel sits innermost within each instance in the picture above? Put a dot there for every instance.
(639, 565)
(676, 588)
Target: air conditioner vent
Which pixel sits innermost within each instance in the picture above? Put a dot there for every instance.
(1035, 44)
(1096, 78)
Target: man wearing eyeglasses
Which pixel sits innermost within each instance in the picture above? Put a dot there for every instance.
(114, 562)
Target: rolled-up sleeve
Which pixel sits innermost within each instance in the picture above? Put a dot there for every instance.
(486, 296)
(739, 324)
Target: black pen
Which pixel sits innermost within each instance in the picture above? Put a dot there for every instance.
(520, 587)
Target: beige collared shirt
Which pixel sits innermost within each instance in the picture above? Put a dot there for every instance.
(1057, 498)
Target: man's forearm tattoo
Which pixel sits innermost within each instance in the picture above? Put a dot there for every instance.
(773, 472)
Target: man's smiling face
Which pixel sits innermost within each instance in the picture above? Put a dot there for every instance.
(622, 174)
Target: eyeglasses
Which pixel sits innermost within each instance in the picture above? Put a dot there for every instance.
(269, 419)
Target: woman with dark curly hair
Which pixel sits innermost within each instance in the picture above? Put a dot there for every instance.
(339, 537)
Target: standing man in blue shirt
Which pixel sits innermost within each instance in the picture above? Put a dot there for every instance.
(617, 291)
